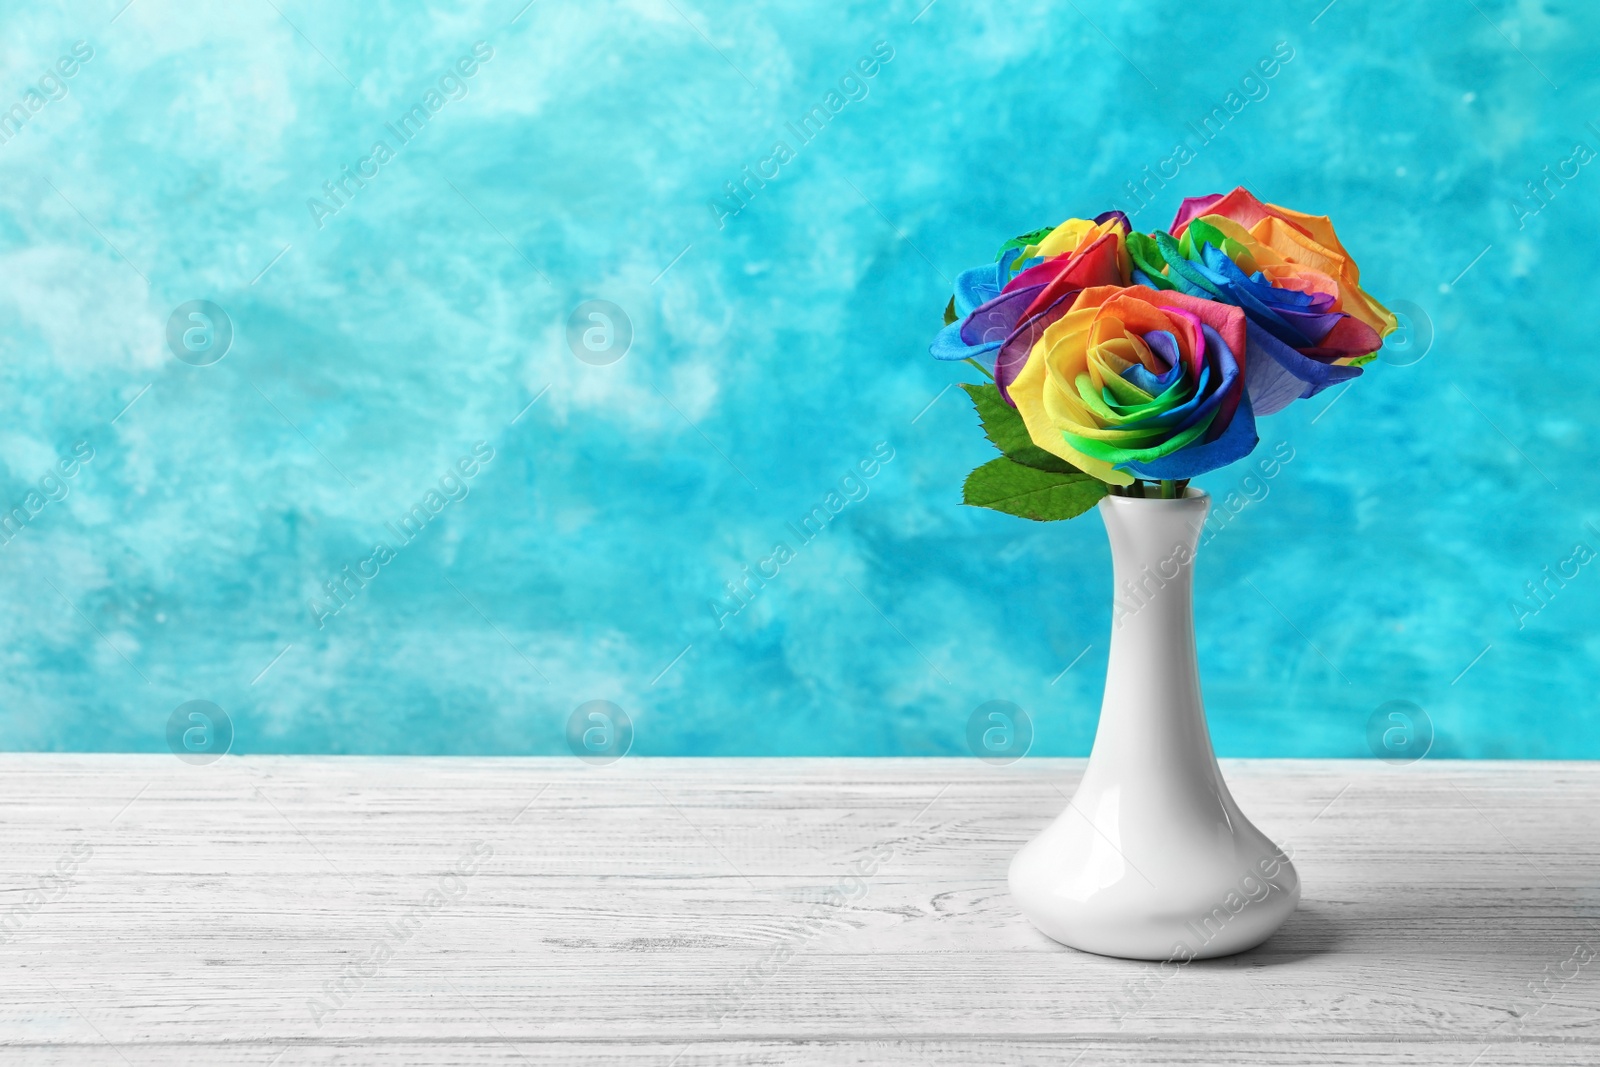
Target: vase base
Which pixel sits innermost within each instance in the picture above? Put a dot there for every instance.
(1201, 936)
(1168, 893)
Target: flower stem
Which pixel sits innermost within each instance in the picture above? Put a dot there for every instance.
(1169, 489)
(981, 367)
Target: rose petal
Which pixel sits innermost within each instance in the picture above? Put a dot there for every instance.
(1226, 319)
(1191, 208)
(1236, 442)
(1350, 337)
(1276, 375)
(978, 286)
(994, 321)
(1014, 353)
(1099, 264)
(948, 345)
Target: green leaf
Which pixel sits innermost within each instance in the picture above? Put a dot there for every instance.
(1044, 496)
(1004, 428)
(950, 312)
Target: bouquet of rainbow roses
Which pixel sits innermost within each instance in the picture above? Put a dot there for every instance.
(1121, 358)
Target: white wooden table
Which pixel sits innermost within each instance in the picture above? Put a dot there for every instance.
(296, 910)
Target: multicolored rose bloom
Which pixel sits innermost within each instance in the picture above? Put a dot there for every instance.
(1133, 382)
(1120, 358)
(1001, 308)
(1311, 323)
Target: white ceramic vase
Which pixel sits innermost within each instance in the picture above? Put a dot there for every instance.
(1152, 859)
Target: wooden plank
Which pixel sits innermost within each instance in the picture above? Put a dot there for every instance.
(712, 911)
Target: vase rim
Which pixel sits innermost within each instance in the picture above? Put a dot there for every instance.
(1189, 493)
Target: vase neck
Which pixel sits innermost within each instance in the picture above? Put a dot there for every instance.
(1152, 682)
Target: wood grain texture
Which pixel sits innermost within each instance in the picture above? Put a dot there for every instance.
(282, 910)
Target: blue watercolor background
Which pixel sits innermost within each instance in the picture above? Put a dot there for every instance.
(772, 351)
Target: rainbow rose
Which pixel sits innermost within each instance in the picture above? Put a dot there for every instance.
(1120, 358)
(1311, 323)
(999, 309)
(1137, 382)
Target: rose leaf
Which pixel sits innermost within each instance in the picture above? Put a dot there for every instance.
(1044, 496)
(1004, 428)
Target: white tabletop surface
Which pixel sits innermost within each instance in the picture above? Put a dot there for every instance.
(286, 910)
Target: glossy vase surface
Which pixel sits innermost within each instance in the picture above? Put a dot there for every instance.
(1152, 859)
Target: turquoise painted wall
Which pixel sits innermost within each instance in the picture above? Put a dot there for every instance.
(394, 218)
